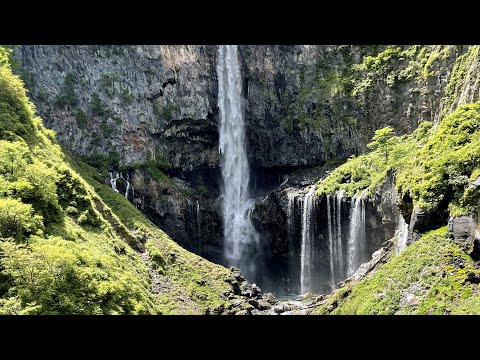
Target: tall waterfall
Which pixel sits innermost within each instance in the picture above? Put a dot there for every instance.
(356, 236)
(291, 218)
(330, 243)
(337, 214)
(239, 233)
(308, 218)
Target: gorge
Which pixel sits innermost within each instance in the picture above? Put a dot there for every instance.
(306, 169)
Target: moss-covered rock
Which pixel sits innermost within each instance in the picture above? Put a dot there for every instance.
(432, 276)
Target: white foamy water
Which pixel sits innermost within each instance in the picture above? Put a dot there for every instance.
(401, 233)
(356, 236)
(308, 213)
(239, 232)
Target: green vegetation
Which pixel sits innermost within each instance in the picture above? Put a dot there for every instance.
(428, 164)
(107, 82)
(81, 118)
(163, 112)
(67, 96)
(16, 67)
(63, 249)
(432, 276)
(416, 65)
(126, 97)
(97, 107)
(457, 78)
(156, 169)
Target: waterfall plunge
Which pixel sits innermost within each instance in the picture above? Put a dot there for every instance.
(239, 233)
(356, 236)
(308, 218)
(114, 176)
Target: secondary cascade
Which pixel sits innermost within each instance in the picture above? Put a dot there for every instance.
(308, 219)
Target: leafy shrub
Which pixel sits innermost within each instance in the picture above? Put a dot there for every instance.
(17, 219)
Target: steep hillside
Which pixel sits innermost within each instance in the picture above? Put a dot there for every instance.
(64, 250)
(432, 276)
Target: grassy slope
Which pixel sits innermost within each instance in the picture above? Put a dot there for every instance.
(70, 253)
(188, 273)
(432, 269)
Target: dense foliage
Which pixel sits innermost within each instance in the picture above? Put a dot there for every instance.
(428, 165)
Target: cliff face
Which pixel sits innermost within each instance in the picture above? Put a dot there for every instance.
(160, 101)
(135, 107)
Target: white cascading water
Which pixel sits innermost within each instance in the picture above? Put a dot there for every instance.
(401, 233)
(356, 236)
(291, 217)
(334, 218)
(330, 243)
(114, 176)
(308, 214)
(113, 180)
(338, 231)
(239, 233)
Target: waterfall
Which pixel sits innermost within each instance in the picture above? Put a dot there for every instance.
(330, 243)
(128, 187)
(239, 233)
(338, 231)
(113, 180)
(356, 237)
(401, 233)
(197, 218)
(307, 241)
(291, 218)
(334, 218)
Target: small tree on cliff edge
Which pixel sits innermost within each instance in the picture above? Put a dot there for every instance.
(382, 140)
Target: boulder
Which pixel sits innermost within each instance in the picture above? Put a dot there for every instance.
(263, 305)
(424, 220)
(268, 297)
(256, 289)
(281, 308)
(464, 231)
(462, 228)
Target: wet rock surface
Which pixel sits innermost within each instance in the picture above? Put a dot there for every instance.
(247, 299)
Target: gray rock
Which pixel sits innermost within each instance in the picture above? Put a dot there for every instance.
(268, 297)
(256, 289)
(243, 312)
(423, 220)
(464, 230)
(280, 308)
(263, 305)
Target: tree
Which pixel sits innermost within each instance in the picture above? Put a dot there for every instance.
(17, 219)
(382, 140)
